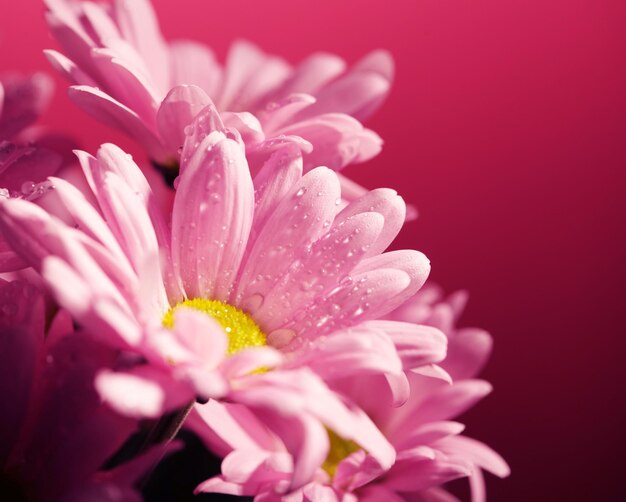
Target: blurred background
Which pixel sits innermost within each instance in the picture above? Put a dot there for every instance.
(506, 127)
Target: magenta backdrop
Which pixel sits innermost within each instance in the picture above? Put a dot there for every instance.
(507, 127)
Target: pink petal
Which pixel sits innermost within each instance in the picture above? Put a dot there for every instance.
(356, 94)
(421, 472)
(273, 182)
(218, 484)
(313, 73)
(378, 61)
(231, 426)
(278, 113)
(428, 433)
(299, 220)
(468, 353)
(206, 122)
(329, 261)
(248, 76)
(413, 263)
(201, 335)
(192, 63)
(377, 493)
(127, 217)
(336, 139)
(246, 124)
(212, 218)
(23, 101)
(138, 24)
(416, 345)
(97, 21)
(351, 353)
(177, 111)
(479, 454)
(24, 166)
(385, 202)
(433, 371)
(362, 298)
(113, 113)
(451, 401)
(127, 83)
(144, 392)
(112, 159)
(87, 218)
(248, 360)
(66, 28)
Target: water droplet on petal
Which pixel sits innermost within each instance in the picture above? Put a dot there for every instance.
(27, 187)
(322, 321)
(253, 303)
(280, 338)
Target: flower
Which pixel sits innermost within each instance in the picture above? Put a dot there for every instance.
(430, 448)
(22, 101)
(126, 75)
(27, 157)
(55, 434)
(289, 281)
(24, 163)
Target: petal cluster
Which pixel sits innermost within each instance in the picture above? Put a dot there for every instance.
(127, 75)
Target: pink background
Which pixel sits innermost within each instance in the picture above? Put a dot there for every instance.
(506, 127)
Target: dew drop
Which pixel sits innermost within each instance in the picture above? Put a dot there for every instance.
(279, 338)
(322, 321)
(253, 303)
(27, 187)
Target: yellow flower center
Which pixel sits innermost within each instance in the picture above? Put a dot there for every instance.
(340, 449)
(241, 329)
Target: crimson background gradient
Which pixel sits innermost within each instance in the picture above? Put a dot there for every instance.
(506, 127)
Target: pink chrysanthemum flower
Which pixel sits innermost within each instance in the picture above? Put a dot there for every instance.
(288, 278)
(55, 434)
(430, 448)
(128, 76)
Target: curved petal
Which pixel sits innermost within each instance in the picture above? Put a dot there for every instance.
(113, 113)
(299, 220)
(386, 202)
(212, 217)
(192, 63)
(177, 111)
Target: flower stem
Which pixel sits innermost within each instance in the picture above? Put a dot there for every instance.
(167, 427)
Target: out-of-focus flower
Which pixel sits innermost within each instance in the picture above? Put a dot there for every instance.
(430, 448)
(24, 163)
(27, 156)
(128, 76)
(289, 281)
(22, 101)
(468, 351)
(55, 433)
